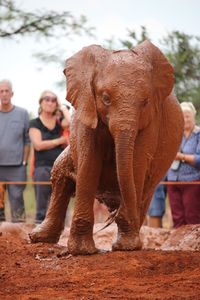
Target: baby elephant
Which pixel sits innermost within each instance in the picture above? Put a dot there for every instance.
(126, 131)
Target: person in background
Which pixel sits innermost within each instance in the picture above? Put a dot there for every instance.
(14, 149)
(63, 120)
(157, 207)
(48, 142)
(2, 198)
(64, 131)
(185, 198)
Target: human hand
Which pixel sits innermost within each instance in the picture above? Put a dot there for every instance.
(66, 121)
(60, 141)
(63, 139)
(179, 156)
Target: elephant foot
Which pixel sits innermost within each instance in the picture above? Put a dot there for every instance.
(45, 233)
(81, 245)
(127, 242)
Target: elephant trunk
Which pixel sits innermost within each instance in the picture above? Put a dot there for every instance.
(124, 145)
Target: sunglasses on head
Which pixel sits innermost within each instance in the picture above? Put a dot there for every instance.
(50, 99)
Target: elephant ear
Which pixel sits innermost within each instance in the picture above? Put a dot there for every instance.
(162, 70)
(79, 71)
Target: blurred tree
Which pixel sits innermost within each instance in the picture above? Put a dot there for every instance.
(17, 22)
(131, 41)
(183, 51)
(135, 38)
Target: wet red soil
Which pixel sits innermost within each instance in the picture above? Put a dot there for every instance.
(40, 271)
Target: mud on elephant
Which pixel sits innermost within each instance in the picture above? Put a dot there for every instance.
(126, 130)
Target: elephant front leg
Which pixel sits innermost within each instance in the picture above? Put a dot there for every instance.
(128, 234)
(81, 237)
(81, 232)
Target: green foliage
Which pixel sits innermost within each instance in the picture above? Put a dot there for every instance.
(135, 38)
(17, 22)
(183, 52)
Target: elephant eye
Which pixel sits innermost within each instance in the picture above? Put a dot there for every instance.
(106, 99)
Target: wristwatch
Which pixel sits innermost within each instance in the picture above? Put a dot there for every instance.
(24, 163)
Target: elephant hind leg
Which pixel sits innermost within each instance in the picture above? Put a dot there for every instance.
(63, 188)
(50, 229)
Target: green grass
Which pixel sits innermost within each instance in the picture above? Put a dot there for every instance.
(29, 199)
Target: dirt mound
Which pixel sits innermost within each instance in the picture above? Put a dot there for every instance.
(45, 271)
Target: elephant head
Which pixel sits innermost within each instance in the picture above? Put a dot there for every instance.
(94, 75)
(124, 89)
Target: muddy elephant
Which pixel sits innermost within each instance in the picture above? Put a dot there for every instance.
(126, 130)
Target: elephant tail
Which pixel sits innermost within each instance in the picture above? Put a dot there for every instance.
(110, 220)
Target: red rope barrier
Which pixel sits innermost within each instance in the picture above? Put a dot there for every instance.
(48, 182)
(25, 182)
(179, 182)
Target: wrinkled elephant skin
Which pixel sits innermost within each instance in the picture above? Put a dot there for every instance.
(125, 132)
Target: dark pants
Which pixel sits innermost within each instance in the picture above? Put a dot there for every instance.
(157, 205)
(15, 191)
(185, 204)
(42, 192)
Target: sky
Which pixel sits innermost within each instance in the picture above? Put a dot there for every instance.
(111, 18)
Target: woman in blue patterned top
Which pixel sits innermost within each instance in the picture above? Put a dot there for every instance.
(185, 199)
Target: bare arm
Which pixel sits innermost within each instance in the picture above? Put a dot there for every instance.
(188, 158)
(26, 152)
(39, 144)
(66, 121)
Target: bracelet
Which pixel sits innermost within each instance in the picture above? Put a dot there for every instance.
(183, 158)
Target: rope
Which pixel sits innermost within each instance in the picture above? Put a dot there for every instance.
(179, 182)
(49, 183)
(25, 182)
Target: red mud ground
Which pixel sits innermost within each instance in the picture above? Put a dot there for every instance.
(37, 271)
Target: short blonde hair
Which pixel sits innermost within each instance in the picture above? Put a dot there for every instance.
(188, 106)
